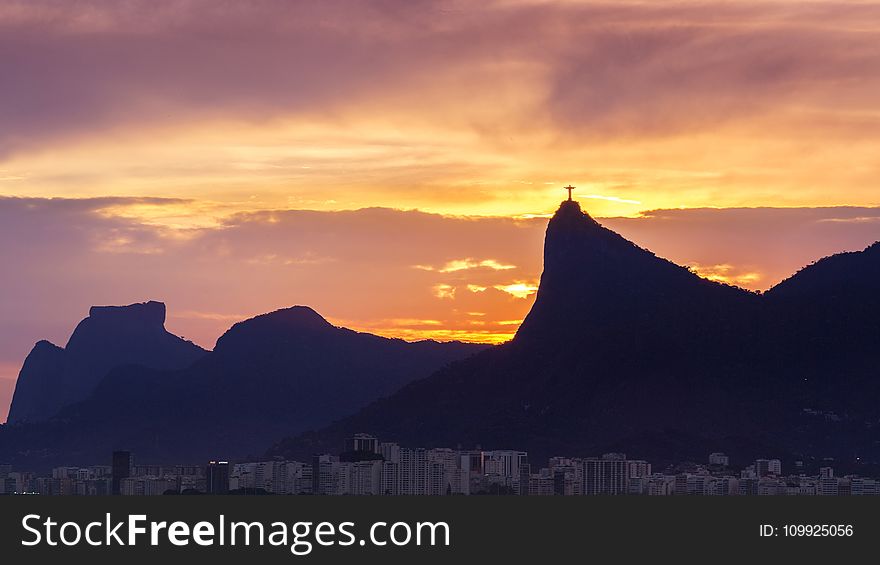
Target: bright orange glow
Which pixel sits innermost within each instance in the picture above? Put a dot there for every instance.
(519, 289)
(404, 329)
(728, 274)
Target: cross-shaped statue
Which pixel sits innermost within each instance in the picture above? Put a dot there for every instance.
(569, 188)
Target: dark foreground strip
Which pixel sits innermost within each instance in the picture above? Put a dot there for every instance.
(433, 529)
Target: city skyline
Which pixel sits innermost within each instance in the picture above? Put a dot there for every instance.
(368, 466)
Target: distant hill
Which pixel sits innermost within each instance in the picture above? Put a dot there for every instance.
(286, 370)
(626, 351)
(53, 377)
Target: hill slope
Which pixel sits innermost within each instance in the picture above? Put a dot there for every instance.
(626, 351)
(288, 369)
(53, 377)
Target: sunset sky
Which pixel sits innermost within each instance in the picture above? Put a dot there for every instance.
(392, 163)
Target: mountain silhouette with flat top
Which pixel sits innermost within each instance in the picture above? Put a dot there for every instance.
(626, 351)
(53, 377)
(286, 370)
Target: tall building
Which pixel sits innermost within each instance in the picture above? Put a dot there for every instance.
(827, 486)
(543, 483)
(768, 467)
(121, 468)
(567, 475)
(453, 479)
(362, 443)
(608, 474)
(304, 482)
(217, 477)
(507, 468)
(364, 477)
(472, 470)
(748, 486)
(413, 472)
(637, 469)
(325, 474)
(390, 478)
(390, 451)
(295, 477)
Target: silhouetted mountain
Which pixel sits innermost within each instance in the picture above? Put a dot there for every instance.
(832, 304)
(287, 370)
(830, 338)
(599, 289)
(52, 378)
(625, 351)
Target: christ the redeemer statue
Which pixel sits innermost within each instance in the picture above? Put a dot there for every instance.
(569, 188)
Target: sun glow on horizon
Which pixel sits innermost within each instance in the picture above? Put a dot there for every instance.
(730, 274)
(519, 289)
(405, 331)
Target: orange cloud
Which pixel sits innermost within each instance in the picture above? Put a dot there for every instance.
(443, 290)
(465, 264)
(519, 289)
(729, 274)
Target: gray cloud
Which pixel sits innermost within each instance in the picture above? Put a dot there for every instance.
(604, 69)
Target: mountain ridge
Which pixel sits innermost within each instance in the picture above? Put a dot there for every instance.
(53, 377)
(287, 369)
(624, 350)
